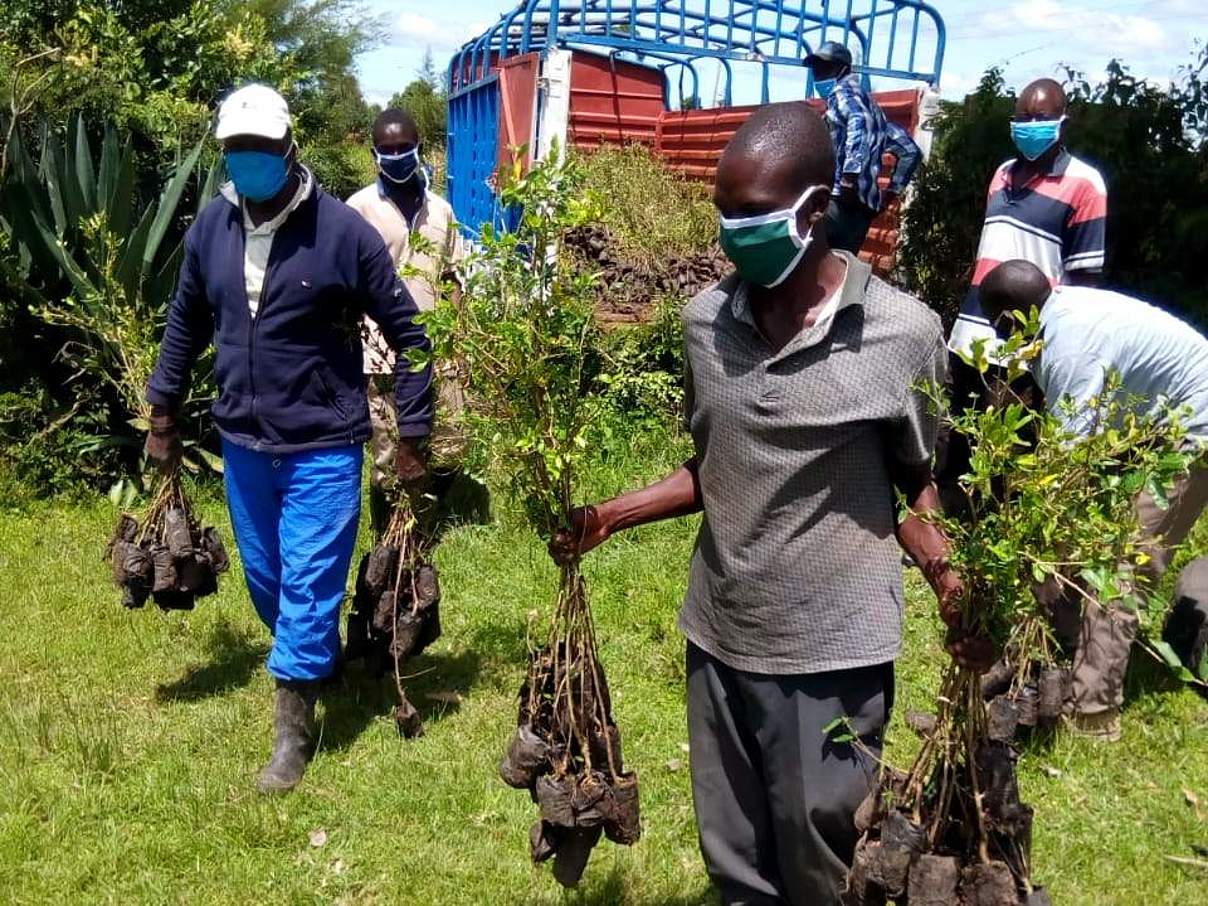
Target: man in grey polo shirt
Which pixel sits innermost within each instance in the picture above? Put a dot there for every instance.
(805, 409)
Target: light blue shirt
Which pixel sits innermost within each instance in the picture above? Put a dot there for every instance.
(1161, 360)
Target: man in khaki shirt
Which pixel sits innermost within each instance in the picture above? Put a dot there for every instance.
(421, 234)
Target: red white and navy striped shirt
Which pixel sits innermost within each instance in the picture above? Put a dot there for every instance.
(1057, 221)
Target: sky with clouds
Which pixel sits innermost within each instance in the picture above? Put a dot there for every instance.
(1027, 38)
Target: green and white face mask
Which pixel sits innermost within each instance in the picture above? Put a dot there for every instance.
(765, 248)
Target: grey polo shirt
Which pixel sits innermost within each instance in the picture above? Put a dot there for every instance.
(797, 568)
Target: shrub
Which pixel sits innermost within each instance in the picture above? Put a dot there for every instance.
(1149, 143)
(651, 211)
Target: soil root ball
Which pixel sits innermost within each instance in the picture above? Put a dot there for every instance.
(1028, 702)
(191, 573)
(383, 614)
(996, 767)
(888, 868)
(382, 564)
(427, 586)
(869, 811)
(1052, 687)
(591, 799)
(407, 631)
(131, 563)
(215, 550)
(407, 720)
(543, 841)
(997, 680)
(623, 824)
(572, 854)
(429, 630)
(860, 890)
(1038, 897)
(991, 884)
(172, 599)
(165, 570)
(933, 881)
(527, 756)
(176, 532)
(554, 799)
(921, 722)
(1002, 719)
(899, 832)
(602, 741)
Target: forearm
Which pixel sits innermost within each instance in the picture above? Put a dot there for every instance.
(903, 171)
(918, 534)
(676, 495)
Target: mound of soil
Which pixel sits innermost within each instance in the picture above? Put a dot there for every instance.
(629, 291)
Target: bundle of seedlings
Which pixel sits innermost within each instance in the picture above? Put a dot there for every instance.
(1049, 510)
(523, 332)
(395, 612)
(627, 291)
(166, 555)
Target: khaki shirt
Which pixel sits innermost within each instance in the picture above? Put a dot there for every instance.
(436, 224)
(797, 568)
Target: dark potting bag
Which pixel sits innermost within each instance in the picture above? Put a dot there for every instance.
(526, 758)
(165, 570)
(623, 822)
(427, 586)
(574, 849)
(381, 564)
(131, 563)
(176, 532)
(172, 599)
(215, 550)
(383, 613)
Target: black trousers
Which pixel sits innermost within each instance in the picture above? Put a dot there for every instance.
(847, 224)
(775, 794)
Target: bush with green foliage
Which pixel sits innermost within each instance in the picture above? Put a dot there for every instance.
(651, 212)
(152, 72)
(1149, 143)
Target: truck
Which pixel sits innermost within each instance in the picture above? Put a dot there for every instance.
(584, 74)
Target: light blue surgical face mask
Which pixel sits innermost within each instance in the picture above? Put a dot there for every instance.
(1034, 138)
(824, 87)
(258, 175)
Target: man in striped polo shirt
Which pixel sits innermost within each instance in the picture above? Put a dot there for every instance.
(1046, 207)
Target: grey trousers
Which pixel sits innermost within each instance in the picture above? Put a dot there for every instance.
(1105, 637)
(775, 795)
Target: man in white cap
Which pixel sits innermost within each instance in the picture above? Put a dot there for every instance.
(291, 406)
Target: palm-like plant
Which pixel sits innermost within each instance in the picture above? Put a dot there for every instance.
(91, 258)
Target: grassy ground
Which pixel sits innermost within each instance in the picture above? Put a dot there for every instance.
(129, 742)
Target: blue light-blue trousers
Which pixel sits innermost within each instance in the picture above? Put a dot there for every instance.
(295, 519)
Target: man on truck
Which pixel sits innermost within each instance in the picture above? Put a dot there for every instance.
(861, 135)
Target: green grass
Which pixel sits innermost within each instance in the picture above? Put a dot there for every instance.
(129, 742)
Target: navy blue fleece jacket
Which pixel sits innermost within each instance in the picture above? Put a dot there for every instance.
(290, 378)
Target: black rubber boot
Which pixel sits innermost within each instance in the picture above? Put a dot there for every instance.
(293, 729)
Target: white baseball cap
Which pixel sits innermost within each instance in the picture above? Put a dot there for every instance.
(253, 110)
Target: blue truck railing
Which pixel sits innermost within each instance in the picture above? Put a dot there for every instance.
(890, 39)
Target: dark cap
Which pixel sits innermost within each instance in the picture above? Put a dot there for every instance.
(829, 52)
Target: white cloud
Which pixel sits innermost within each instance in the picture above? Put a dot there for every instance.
(1082, 26)
(442, 34)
